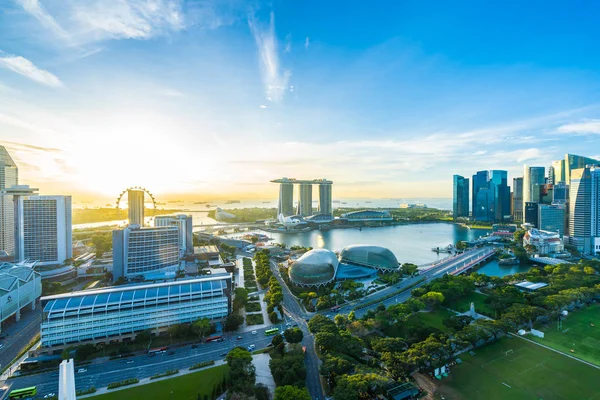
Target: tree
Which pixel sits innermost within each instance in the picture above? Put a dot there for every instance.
(327, 341)
(293, 335)
(85, 351)
(291, 393)
(358, 386)
(408, 268)
(241, 370)
(240, 298)
(143, 336)
(201, 327)
(589, 270)
(233, 321)
(320, 323)
(518, 235)
(432, 299)
(277, 339)
(288, 369)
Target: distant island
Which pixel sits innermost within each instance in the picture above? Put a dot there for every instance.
(103, 214)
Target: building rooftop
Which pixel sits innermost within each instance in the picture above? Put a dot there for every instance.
(206, 249)
(299, 181)
(531, 285)
(136, 286)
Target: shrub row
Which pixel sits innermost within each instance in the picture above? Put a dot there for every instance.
(86, 391)
(126, 382)
(168, 372)
(202, 364)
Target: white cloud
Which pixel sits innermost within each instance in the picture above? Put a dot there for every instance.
(263, 106)
(24, 67)
(133, 19)
(171, 93)
(80, 22)
(307, 42)
(275, 78)
(37, 10)
(585, 127)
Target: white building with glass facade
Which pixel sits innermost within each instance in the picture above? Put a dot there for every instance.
(184, 224)
(43, 227)
(9, 176)
(141, 252)
(545, 242)
(116, 313)
(20, 286)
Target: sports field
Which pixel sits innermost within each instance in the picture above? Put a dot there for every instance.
(528, 372)
(185, 387)
(577, 334)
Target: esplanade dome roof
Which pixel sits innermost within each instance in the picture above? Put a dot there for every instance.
(315, 267)
(369, 256)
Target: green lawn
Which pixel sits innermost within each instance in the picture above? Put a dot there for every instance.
(432, 318)
(464, 303)
(252, 306)
(577, 334)
(530, 371)
(435, 318)
(184, 387)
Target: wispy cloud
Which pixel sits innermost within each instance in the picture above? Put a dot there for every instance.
(133, 19)
(24, 67)
(275, 78)
(171, 93)
(587, 126)
(306, 42)
(80, 22)
(39, 12)
(288, 43)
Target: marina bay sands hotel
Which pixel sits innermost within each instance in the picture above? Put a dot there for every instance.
(304, 209)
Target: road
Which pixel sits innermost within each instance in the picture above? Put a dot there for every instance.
(19, 334)
(143, 366)
(311, 360)
(101, 374)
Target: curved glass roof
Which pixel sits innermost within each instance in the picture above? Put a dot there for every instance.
(315, 267)
(369, 256)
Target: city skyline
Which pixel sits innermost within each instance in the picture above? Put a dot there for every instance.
(229, 94)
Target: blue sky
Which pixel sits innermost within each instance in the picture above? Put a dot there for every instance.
(388, 99)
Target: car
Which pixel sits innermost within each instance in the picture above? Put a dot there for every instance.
(251, 347)
(50, 395)
(81, 370)
(129, 361)
(270, 345)
(239, 338)
(288, 324)
(254, 332)
(223, 354)
(194, 346)
(1, 345)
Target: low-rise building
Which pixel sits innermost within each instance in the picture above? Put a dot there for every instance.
(118, 313)
(208, 255)
(545, 242)
(20, 286)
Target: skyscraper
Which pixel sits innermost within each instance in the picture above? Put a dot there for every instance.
(558, 171)
(533, 178)
(517, 212)
(498, 183)
(9, 176)
(460, 196)
(43, 228)
(573, 162)
(580, 209)
(286, 199)
(185, 226)
(325, 198)
(135, 206)
(595, 209)
(552, 218)
(480, 196)
(530, 214)
(305, 203)
(560, 195)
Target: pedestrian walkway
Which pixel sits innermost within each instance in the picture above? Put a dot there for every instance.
(146, 381)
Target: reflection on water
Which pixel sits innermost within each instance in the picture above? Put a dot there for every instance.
(410, 243)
